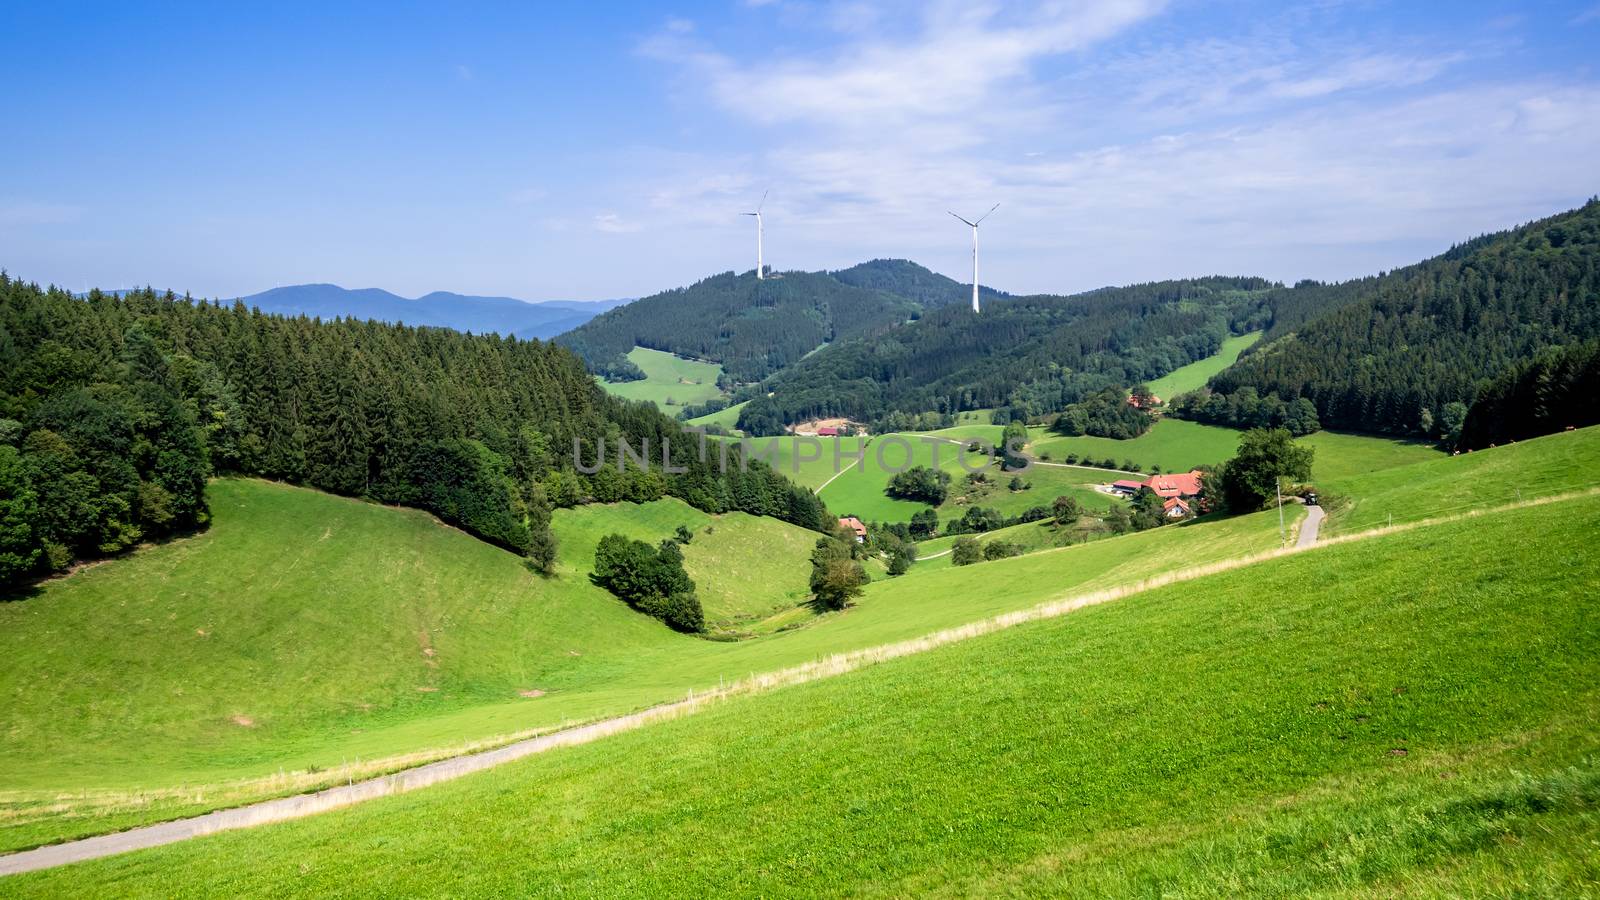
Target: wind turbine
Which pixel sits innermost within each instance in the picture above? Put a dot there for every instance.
(975, 251)
(759, 274)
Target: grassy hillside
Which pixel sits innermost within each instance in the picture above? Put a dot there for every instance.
(1196, 374)
(1314, 723)
(325, 653)
(1172, 444)
(727, 417)
(670, 382)
(1452, 484)
(328, 657)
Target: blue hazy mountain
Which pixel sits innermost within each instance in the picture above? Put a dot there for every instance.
(462, 312)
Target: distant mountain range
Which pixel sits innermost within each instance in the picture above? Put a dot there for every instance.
(461, 312)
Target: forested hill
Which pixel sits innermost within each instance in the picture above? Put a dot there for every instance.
(1408, 352)
(114, 411)
(756, 327)
(905, 278)
(1032, 355)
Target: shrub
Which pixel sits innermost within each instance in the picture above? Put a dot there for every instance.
(966, 551)
(1001, 549)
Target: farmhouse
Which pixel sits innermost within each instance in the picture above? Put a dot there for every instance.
(1176, 487)
(856, 526)
(827, 431)
(1169, 486)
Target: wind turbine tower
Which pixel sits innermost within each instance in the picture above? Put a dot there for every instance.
(760, 272)
(975, 251)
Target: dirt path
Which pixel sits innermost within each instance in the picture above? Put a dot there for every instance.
(838, 664)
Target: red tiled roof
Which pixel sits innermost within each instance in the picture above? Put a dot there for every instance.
(827, 431)
(854, 524)
(1176, 485)
(1175, 502)
(1128, 483)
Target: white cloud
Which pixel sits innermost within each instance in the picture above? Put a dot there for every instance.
(1286, 150)
(961, 55)
(611, 223)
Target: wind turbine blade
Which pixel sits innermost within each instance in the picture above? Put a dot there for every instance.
(972, 224)
(987, 214)
(763, 199)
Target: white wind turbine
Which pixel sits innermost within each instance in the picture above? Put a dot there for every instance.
(975, 251)
(759, 273)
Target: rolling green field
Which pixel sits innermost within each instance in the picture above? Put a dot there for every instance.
(1196, 374)
(1340, 456)
(1045, 483)
(1172, 444)
(859, 489)
(728, 417)
(1409, 714)
(670, 382)
(1448, 485)
(327, 656)
(328, 662)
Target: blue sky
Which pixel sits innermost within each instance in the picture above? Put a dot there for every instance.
(599, 150)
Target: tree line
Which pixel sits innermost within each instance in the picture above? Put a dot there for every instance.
(114, 411)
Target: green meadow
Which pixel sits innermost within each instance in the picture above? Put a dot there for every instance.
(1172, 445)
(670, 381)
(727, 417)
(1195, 375)
(367, 638)
(1450, 485)
(1411, 714)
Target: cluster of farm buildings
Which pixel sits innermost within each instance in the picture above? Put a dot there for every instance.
(1177, 491)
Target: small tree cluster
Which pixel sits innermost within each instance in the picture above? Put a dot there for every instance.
(920, 483)
(652, 581)
(836, 578)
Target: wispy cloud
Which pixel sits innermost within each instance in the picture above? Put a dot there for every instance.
(1130, 157)
(611, 223)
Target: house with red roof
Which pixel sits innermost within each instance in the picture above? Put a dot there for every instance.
(1186, 484)
(1127, 487)
(856, 526)
(1178, 490)
(827, 431)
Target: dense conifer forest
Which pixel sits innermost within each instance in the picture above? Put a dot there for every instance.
(1404, 352)
(115, 410)
(1031, 356)
(757, 327)
(1556, 390)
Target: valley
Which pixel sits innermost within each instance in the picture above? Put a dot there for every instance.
(250, 557)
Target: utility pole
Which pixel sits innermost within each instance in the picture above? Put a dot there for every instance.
(1283, 536)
